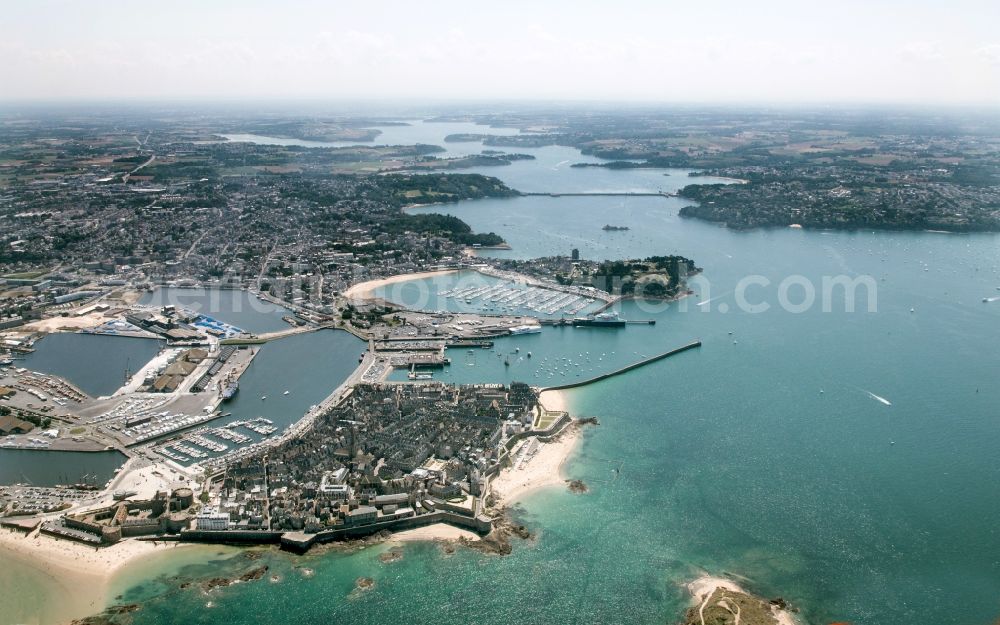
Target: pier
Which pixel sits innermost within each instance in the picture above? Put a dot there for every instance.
(624, 369)
(624, 322)
(461, 343)
(264, 337)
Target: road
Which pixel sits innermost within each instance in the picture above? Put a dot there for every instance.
(152, 157)
(193, 246)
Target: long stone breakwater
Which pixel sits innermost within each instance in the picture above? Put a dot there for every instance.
(625, 369)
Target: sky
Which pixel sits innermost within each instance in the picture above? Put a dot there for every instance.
(699, 51)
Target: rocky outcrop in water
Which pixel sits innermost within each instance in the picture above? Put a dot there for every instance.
(498, 540)
(108, 616)
(249, 576)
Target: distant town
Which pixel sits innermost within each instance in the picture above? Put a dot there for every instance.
(100, 217)
(98, 232)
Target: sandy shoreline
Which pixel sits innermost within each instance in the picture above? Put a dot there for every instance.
(704, 586)
(554, 400)
(78, 575)
(366, 290)
(56, 580)
(545, 467)
(437, 531)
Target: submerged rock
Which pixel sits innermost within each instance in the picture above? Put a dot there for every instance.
(498, 540)
(106, 617)
(249, 576)
(393, 555)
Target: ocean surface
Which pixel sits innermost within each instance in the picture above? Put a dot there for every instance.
(845, 461)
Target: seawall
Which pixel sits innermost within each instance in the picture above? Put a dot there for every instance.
(300, 542)
(625, 369)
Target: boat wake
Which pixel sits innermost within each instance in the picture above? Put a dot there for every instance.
(878, 398)
(712, 299)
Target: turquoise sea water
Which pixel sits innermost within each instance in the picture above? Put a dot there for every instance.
(764, 455)
(731, 460)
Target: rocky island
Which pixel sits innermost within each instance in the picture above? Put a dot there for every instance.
(719, 601)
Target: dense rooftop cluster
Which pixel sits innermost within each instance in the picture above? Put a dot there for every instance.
(130, 202)
(412, 447)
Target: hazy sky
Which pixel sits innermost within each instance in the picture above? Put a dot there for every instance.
(916, 51)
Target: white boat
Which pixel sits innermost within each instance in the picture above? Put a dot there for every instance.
(525, 329)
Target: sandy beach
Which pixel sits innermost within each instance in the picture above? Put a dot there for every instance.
(704, 586)
(437, 531)
(79, 576)
(366, 290)
(544, 468)
(554, 400)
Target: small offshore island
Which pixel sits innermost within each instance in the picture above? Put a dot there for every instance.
(719, 601)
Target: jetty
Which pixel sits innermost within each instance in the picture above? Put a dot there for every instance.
(625, 369)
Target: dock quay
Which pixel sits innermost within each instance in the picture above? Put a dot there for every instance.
(569, 322)
(144, 417)
(421, 361)
(225, 353)
(273, 336)
(408, 345)
(431, 345)
(425, 354)
(625, 369)
(462, 343)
